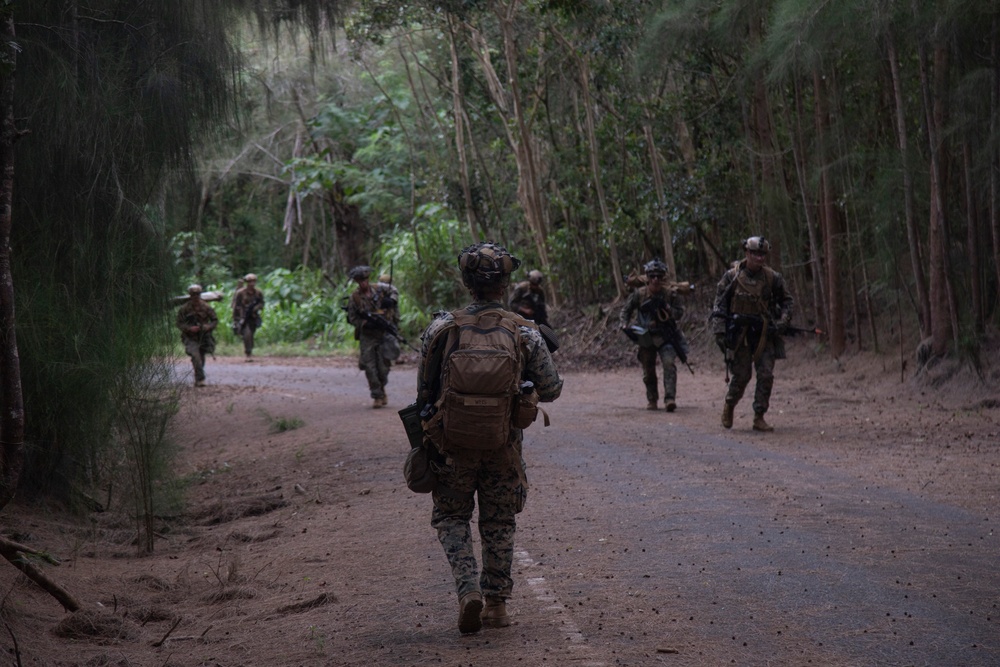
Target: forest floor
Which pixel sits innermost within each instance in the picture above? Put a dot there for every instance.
(860, 532)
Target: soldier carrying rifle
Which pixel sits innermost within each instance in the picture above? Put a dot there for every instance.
(656, 332)
(752, 311)
(370, 308)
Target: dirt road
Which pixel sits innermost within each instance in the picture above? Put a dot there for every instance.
(860, 532)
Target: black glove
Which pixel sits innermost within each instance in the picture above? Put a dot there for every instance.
(720, 340)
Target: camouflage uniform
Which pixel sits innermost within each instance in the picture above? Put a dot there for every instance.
(247, 298)
(197, 345)
(381, 299)
(497, 477)
(528, 301)
(762, 295)
(653, 310)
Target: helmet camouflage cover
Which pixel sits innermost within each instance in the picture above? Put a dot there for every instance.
(194, 288)
(757, 244)
(535, 277)
(655, 267)
(485, 264)
(360, 272)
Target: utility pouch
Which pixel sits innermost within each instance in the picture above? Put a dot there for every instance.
(410, 416)
(417, 469)
(525, 409)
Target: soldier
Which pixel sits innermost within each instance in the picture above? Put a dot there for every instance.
(370, 308)
(197, 320)
(528, 299)
(248, 302)
(752, 310)
(659, 309)
(496, 476)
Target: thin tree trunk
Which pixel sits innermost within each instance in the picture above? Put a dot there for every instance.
(11, 397)
(995, 155)
(583, 69)
(940, 326)
(661, 198)
(815, 256)
(458, 105)
(509, 105)
(972, 239)
(830, 225)
(912, 235)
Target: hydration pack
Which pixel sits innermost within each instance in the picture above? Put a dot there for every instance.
(480, 381)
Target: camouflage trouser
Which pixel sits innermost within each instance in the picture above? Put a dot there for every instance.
(375, 366)
(198, 350)
(499, 482)
(247, 335)
(743, 364)
(647, 357)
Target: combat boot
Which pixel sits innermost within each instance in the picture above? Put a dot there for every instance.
(671, 406)
(495, 613)
(727, 415)
(651, 405)
(470, 606)
(759, 424)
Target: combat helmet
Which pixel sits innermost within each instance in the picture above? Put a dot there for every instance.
(486, 264)
(360, 272)
(194, 288)
(757, 244)
(250, 276)
(535, 277)
(655, 267)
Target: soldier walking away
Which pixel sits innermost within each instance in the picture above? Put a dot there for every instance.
(197, 321)
(659, 308)
(528, 299)
(480, 440)
(370, 309)
(752, 310)
(248, 302)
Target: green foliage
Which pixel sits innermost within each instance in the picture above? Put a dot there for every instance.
(425, 266)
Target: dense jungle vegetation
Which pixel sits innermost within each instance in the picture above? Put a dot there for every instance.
(149, 145)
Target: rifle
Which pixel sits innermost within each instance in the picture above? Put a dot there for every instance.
(248, 310)
(380, 323)
(644, 338)
(755, 324)
(672, 335)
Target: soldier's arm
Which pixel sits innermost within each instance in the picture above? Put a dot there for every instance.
(539, 367)
(720, 310)
(213, 320)
(783, 300)
(626, 313)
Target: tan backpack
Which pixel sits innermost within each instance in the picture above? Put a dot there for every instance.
(481, 368)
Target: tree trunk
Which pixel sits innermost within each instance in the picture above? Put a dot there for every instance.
(912, 234)
(11, 399)
(830, 222)
(458, 105)
(972, 239)
(995, 154)
(528, 189)
(940, 325)
(816, 257)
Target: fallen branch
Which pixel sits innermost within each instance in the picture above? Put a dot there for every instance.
(15, 553)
